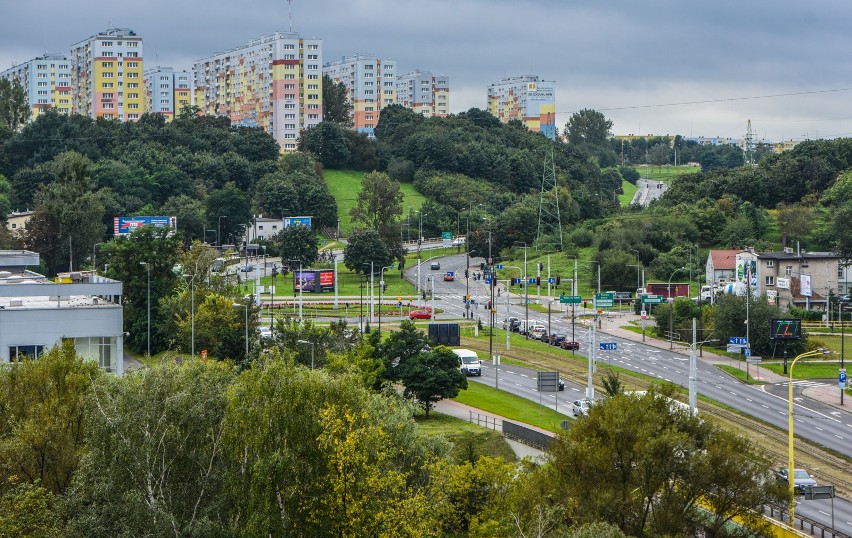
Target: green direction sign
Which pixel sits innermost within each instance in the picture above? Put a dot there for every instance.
(446, 235)
(652, 299)
(609, 296)
(570, 299)
(603, 303)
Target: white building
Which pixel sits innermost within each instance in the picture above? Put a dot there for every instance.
(167, 91)
(424, 93)
(37, 313)
(370, 85)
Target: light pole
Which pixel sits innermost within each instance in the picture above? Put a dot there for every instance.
(638, 266)
(671, 308)
(94, 257)
(381, 291)
(219, 231)
(419, 259)
(312, 350)
(148, 267)
(791, 477)
(240, 305)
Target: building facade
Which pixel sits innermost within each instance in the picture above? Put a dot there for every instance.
(167, 91)
(37, 313)
(424, 93)
(721, 267)
(800, 279)
(47, 82)
(370, 85)
(527, 99)
(273, 82)
(106, 76)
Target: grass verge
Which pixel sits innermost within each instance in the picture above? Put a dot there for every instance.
(510, 406)
(468, 439)
(739, 374)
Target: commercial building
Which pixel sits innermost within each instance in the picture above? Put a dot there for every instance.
(370, 85)
(37, 313)
(425, 93)
(527, 99)
(106, 76)
(167, 91)
(273, 82)
(46, 81)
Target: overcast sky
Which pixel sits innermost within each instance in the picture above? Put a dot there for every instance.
(623, 57)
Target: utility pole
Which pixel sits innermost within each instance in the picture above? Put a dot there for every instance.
(692, 372)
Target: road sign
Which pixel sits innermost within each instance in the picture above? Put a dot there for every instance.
(652, 299)
(570, 299)
(551, 281)
(450, 273)
(753, 360)
(488, 281)
(547, 381)
(446, 235)
(609, 346)
(841, 378)
(603, 303)
(499, 266)
(738, 340)
(398, 304)
(747, 352)
(606, 295)
(644, 314)
(530, 281)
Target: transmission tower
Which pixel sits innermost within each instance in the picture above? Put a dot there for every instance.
(549, 220)
(748, 150)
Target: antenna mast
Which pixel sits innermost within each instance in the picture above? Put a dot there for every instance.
(749, 146)
(290, 13)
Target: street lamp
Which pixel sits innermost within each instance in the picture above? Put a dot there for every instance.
(381, 290)
(94, 257)
(638, 266)
(791, 477)
(148, 267)
(219, 231)
(419, 258)
(671, 308)
(312, 350)
(245, 306)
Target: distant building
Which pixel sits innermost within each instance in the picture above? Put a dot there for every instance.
(527, 99)
(800, 279)
(16, 221)
(370, 85)
(721, 267)
(47, 82)
(106, 76)
(273, 82)
(167, 91)
(37, 313)
(714, 141)
(424, 93)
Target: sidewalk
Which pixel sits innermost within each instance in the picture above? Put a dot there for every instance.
(829, 395)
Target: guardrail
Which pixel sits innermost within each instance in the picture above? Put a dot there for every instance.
(803, 524)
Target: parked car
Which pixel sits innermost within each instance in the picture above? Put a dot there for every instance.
(247, 268)
(801, 479)
(538, 332)
(469, 362)
(558, 339)
(449, 278)
(561, 385)
(513, 322)
(567, 344)
(435, 266)
(581, 408)
(548, 338)
(420, 314)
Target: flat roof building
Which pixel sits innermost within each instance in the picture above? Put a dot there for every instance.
(167, 91)
(46, 81)
(424, 93)
(370, 85)
(527, 99)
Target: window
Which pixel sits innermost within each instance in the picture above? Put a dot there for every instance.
(313, 66)
(770, 280)
(289, 86)
(42, 83)
(132, 105)
(17, 353)
(132, 43)
(789, 270)
(313, 107)
(313, 77)
(107, 95)
(131, 64)
(108, 54)
(289, 116)
(840, 273)
(289, 135)
(109, 74)
(312, 47)
(313, 96)
(132, 85)
(289, 106)
(132, 75)
(108, 65)
(107, 43)
(289, 46)
(108, 106)
(313, 57)
(132, 54)
(313, 86)
(107, 84)
(313, 116)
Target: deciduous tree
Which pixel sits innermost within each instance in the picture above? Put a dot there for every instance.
(588, 127)
(336, 107)
(14, 105)
(432, 376)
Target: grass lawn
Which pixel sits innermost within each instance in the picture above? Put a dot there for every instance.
(510, 406)
(629, 190)
(807, 370)
(467, 438)
(739, 374)
(344, 186)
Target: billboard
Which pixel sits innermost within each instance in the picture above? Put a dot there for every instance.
(128, 225)
(785, 329)
(304, 222)
(313, 280)
(805, 281)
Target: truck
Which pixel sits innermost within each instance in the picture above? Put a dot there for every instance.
(469, 362)
(679, 289)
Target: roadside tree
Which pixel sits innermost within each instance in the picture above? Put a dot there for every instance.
(297, 243)
(432, 376)
(365, 247)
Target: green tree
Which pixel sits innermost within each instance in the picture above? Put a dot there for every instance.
(378, 204)
(233, 204)
(336, 107)
(400, 346)
(191, 220)
(588, 127)
(297, 243)
(42, 418)
(432, 376)
(795, 221)
(28, 509)
(659, 155)
(728, 318)
(14, 105)
(365, 247)
(276, 195)
(327, 141)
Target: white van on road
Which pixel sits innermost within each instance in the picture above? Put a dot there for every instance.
(469, 362)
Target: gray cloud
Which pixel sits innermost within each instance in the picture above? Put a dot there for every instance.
(602, 55)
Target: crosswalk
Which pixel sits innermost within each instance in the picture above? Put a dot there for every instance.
(804, 384)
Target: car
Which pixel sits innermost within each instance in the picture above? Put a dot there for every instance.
(420, 314)
(801, 479)
(581, 408)
(567, 344)
(449, 278)
(247, 268)
(538, 332)
(458, 241)
(845, 298)
(560, 385)
(558, 339)
(435, 266)
(512, 321)
(265, 333)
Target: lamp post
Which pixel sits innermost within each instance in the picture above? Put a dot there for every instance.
(240, 305)
(791, 477)
(192, 306)
(94, 257)
(638, 266)
(671, 308)
(312, 350)
(219, 231)
(419, 259)
(381, 291)
(272, 299)
(148, 267)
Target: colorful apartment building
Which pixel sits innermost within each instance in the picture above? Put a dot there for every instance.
(47, 82)
(106, 76)
(425, 93)
(167, 91)
(528, 99)
(370, 85)
(273, 82)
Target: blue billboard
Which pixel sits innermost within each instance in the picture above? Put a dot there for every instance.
(128, 225)
(304, 222)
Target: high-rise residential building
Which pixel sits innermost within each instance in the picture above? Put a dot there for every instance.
(370, 85)
(528, 99)
(167, 91)
(47, 82)
(425, 93)
(106, 76)
(273, 82)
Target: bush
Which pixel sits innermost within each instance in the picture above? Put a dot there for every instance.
(806, 315)
(582, 237)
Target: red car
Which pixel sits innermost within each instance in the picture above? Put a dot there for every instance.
(420, 314)
(449, 278)
(566, 344)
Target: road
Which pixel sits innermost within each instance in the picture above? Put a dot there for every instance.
(648, 190)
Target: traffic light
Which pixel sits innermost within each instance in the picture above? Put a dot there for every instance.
(585, 304)
(384, 288)
(466, 273)
(494, 281)
(558, 280)
(540, 266)
(538, 281)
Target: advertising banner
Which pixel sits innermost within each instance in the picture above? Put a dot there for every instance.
(313, 280)
(805, 281)
(128, 225)
(782, 283)
(304, 281)
(326, 280)
(304, 222)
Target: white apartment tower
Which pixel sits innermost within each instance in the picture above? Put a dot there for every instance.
(370, 85)
(425, 93)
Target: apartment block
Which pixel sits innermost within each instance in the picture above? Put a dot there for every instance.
(370, 85)
(167, 91)
(425, 93)
(527, 99)
(106, 76)
(273, 82)
(47, 82)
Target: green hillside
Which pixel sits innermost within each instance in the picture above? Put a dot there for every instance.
(344, 186)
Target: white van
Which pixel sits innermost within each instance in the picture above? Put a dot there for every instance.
(469, 362)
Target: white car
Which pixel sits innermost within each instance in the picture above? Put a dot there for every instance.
(458, 241)
(581, 408)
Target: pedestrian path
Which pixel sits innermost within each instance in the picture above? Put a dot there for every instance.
(803, 384)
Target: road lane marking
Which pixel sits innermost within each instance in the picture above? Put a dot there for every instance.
(820, 429)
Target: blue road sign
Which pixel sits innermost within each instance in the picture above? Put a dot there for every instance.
(609, 346)
(450, 273)
(738, 340)
(841, 378)
(499, 266)
(748, 352)
(551, 281)
(530, 281)
(488, 281)
(399, 303)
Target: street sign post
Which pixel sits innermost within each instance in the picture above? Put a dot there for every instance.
(652, 299)
(609, 346)
(841, 378)
(603, 303)
(570, 299)
(499, 266)
(738, 340)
